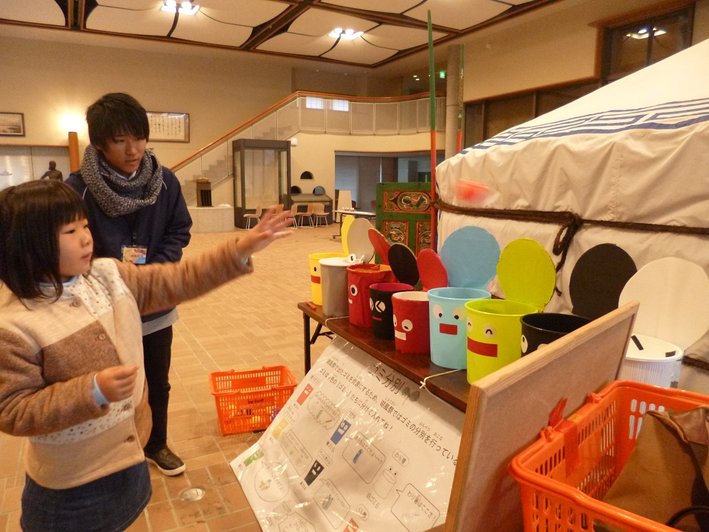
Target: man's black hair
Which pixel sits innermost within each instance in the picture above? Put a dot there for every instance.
(116, 114)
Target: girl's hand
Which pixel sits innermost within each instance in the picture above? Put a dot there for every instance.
(272, 226)
(117, 382)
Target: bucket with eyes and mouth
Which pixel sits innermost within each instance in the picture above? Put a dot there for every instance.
(410, 320)
(494, 333)
(382, 311)
(527, 277)
(544, 327)
(333, 271)
(359, 278)
(315, 277)
(447, 321)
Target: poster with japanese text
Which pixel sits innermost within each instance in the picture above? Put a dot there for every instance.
(357, 447)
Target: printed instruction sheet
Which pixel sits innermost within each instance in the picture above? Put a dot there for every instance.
(357, 447)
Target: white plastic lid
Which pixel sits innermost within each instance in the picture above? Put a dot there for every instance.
(649, 348)
(337, 261)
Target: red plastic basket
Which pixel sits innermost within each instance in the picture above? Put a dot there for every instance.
(249, 400)
(564, 474)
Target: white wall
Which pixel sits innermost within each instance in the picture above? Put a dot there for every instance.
(316, 153)
(65, 78)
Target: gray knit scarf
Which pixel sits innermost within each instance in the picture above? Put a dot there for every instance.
(116, 195)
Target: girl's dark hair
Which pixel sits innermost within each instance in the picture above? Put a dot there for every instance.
(31, 215)
(116, 114)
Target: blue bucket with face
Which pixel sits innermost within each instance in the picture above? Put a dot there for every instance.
(447, 322)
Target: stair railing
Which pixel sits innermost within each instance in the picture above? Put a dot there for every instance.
(311, 112)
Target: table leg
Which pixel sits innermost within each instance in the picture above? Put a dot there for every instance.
(339, 231)
(306, 341)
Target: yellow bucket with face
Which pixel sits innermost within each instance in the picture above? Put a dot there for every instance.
(494, 334)
(315, 279)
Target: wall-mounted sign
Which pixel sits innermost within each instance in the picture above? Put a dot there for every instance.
(169, 127)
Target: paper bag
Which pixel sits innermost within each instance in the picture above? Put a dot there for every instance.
(666, 476)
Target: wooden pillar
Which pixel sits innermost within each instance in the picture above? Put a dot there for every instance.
(74, 159)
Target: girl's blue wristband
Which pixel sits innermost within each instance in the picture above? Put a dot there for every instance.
(98, 394)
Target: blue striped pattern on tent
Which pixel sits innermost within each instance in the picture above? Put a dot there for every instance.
(669, 115)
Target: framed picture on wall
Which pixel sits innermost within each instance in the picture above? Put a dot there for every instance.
(12, 124)
(169, 127)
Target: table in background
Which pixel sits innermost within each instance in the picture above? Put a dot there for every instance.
(451, 387)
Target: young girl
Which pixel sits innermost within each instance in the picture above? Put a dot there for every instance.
(71, 361)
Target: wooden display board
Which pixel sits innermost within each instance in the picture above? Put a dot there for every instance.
(508, 409)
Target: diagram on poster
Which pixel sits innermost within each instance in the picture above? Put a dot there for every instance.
(357, 447)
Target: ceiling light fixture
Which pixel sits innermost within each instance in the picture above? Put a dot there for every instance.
(349, 34)
(186, 7)
(644, 33)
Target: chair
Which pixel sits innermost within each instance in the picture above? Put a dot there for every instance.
(251, 216)
(293, 209)
(278, 208)
(319, 214)
(308, 213)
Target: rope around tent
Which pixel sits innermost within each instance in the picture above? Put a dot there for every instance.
(569, 221)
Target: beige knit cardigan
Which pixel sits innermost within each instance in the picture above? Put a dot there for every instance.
(50, 352)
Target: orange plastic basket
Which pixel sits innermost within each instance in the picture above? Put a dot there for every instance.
(249, 400)
(564, 474)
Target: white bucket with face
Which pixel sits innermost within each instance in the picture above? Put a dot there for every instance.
(333, 273)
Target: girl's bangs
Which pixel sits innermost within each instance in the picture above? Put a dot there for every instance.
(68, 206)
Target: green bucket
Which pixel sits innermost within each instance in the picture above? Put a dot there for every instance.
(494, 334)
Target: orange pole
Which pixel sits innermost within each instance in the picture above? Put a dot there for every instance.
(74, 159)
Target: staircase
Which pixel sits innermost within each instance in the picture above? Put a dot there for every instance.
(311, 112)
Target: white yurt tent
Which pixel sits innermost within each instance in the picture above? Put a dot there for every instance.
(626, 166)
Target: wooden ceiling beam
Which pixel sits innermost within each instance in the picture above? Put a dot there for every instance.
(276, 25)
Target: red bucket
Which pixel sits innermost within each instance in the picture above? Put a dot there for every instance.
(359, 278)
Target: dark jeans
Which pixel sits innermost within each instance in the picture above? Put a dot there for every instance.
(107, 504)
(157, 353)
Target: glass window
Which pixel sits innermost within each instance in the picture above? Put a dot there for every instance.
(633, 46)
(474, 124)
(340, 105)
(671, 35)
(489, 117)
(313, 102)
(550, 99)
(505, 113)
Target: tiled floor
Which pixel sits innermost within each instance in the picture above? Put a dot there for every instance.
(249, 323)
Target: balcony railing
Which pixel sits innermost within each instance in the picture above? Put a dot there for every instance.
(313, 113)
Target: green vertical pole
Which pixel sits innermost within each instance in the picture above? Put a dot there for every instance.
(432, 120)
